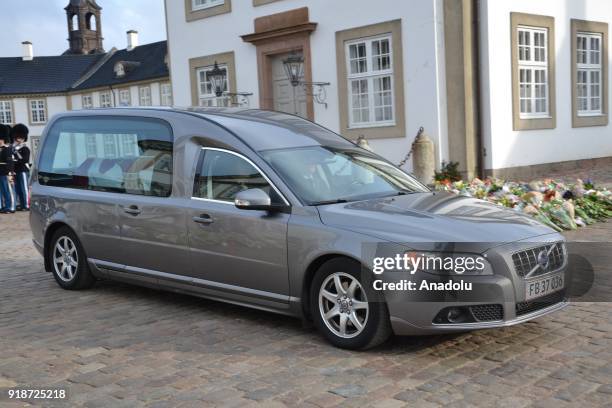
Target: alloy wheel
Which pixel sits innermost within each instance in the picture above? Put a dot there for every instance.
(65, 259)
(343, 305)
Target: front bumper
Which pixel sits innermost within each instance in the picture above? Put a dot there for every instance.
(417, 314)
(402, 327)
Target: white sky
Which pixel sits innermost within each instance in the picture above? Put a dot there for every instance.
(43, 22)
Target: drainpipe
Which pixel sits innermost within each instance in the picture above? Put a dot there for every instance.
(480, 161)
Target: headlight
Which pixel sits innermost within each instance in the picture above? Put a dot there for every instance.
(441, 263)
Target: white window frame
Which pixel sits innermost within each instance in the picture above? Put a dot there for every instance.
(206, 4)
(210, 99)
(87, 101)
(589, 68)
(128, 145)
(110, 146)
(106, 100)
(38, 111)
(370, 75)
(165, 91)
(6, 112)
(145, 99)
(532, 66)
(91, 145)
(125, 101)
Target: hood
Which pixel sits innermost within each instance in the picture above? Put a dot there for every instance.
(440, 217)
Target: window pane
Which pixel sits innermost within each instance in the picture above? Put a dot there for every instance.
(222, 175)
(380, 55)
(595, 51)
(524, 45)
(199, 4)
(357, 57)
(382, 99)
(359, 97)
(131, 156)
(6, 114)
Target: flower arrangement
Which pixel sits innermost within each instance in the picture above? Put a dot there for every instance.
(558, 205)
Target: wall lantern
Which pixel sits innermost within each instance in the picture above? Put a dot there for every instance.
(294, 68)
(217, 77)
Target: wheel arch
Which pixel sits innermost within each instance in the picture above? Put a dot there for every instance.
(312, 268)
(49, 232)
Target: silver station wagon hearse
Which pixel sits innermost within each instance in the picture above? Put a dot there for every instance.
(271, 211)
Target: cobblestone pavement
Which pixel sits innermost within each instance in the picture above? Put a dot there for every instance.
(117, 345)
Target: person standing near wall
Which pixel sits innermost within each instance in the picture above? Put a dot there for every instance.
(7, 194)
(22, 165)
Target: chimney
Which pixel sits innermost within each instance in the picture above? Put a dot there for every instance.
(132, 39)
(28, 51)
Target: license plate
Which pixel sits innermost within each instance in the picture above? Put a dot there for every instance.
(536, 288)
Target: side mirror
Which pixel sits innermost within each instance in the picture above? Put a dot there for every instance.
(253, 199)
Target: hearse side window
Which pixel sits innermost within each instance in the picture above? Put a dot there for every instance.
(221, 175)
(113, 154)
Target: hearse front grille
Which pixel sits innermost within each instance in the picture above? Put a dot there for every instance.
(527, 261)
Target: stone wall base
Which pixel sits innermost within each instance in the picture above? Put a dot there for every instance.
(569, 169)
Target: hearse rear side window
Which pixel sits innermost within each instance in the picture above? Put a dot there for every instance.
(113, 154)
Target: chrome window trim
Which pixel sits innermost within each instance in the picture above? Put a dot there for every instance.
(248, 161)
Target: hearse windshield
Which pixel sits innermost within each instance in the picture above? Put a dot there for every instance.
(323, 175)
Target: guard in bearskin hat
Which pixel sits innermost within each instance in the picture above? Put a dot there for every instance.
(7, 193)
(21, 153)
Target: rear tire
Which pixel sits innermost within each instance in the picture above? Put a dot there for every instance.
(68, 261)
(345, 308)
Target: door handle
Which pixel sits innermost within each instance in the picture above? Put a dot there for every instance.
(203, 219)
(132, 210)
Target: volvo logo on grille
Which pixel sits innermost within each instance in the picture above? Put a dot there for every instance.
(543, 260)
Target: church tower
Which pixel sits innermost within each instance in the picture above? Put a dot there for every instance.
(84, 27)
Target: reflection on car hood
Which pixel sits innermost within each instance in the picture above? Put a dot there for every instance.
(433, 217)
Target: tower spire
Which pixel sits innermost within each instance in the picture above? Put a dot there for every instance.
(84, 27)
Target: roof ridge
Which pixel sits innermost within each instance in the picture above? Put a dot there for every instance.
(142, 46)
(95, 68)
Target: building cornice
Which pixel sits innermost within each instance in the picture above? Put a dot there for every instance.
(32, 95)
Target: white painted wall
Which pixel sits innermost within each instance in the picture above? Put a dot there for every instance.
(55, 104)
(505, 147)
(422, 39)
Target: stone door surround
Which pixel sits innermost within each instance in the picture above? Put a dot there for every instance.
(276, 34)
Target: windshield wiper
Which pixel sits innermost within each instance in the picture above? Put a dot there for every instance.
(398, 193)
(328, 202)
(405, 192)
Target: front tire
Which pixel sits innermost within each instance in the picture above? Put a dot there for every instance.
(345, 309)
(68, 261)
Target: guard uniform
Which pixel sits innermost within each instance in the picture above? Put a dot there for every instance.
(7, 193)
(21, 153)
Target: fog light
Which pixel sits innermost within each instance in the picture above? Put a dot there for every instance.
(454, 315)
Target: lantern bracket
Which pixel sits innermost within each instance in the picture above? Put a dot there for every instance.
(294, 68)
(240, 99)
